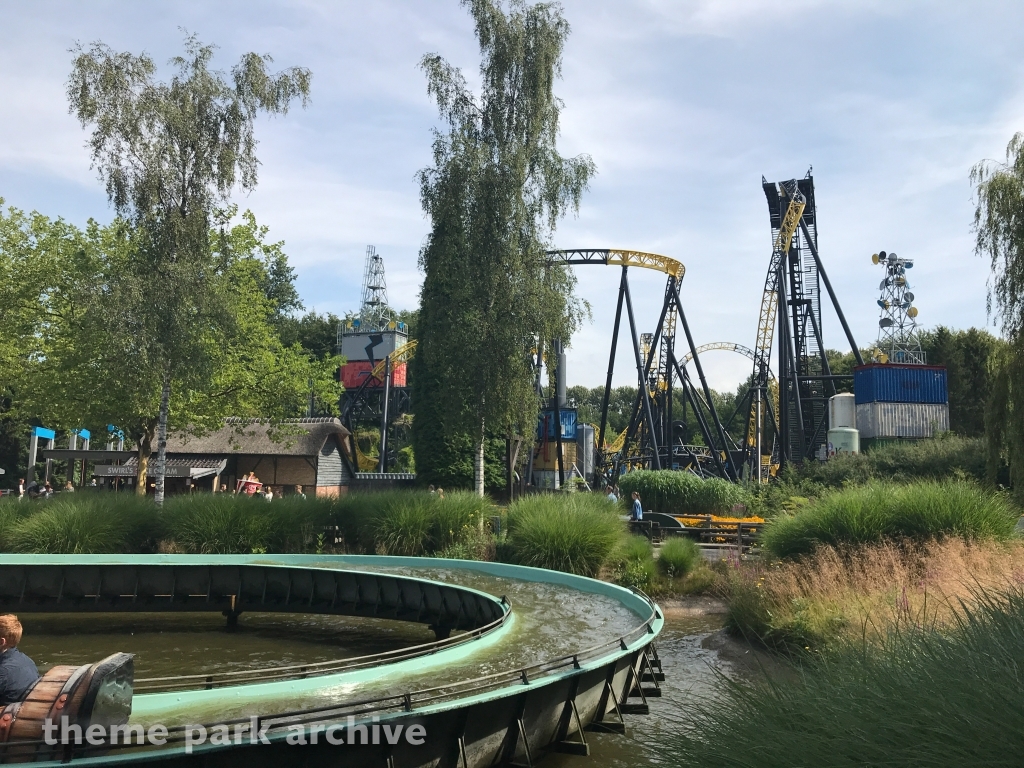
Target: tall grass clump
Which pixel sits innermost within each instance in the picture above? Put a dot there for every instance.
(576, 533)
(923, 698)
(885, 511)
(89, 524)
(934, 459)
(221, 524)
(678, 556)
(12, 511)
(863, 593)
(677, 493)
(409, 522)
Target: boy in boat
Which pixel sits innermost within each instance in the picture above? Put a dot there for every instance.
(18, 672)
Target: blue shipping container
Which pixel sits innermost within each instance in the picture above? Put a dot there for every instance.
(890, 383)
(546, 425)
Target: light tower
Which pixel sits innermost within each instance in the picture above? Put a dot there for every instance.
(898, 341)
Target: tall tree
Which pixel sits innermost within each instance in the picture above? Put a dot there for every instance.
(496, 190)
(1000, 237)
(170, 155)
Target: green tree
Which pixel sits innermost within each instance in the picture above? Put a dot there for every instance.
(969, 357)
(82, 370)
(494, 195)
(170, 154)
(315, 333)
(1000, 237)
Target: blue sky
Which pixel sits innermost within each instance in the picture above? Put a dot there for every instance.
(682, 105)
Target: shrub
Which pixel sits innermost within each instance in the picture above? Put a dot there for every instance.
(678, 556)
(575, 532)
(676, 493)
(880, 511)
(924, 698)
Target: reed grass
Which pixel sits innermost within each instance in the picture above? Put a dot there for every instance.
(885, 511)
(576, 533)
(676, 493)
(921, 698)
(865, 593)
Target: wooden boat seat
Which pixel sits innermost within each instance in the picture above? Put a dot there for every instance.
(99, 693)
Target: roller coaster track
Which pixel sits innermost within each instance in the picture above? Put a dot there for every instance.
(770, 297)
(614, 257)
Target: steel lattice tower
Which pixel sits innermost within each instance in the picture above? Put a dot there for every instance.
(374, 313)
(898, 341)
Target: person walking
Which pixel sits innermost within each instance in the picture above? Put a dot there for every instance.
(21, 489)
(638, 508)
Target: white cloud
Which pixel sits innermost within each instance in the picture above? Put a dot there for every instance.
(683, 105)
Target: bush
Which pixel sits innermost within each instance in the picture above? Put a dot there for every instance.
(678, 556)
(576, 533)
(677, 493)
(884, 511)
(924, 698)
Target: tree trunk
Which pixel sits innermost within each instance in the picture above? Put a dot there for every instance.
(478, 463)
(145, 451)
(161, 440)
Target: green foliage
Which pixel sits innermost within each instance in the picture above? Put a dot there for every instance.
(923, 699)
(494, 193)
(678, 556)
(681, 492)
(576, 533)
(86, 524)
(317, 334)
(879, 511)
(937, 458)
(161, 300)
(969, 357)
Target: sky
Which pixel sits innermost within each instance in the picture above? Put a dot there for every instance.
(683, 107)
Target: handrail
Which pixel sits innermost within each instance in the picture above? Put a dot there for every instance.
(318, 668)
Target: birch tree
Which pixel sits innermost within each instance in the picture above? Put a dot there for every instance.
(495, 191)
(170, 154)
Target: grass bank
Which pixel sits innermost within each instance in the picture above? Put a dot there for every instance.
(863, 594)
(878, 512)
(679, 493)
(921, 697)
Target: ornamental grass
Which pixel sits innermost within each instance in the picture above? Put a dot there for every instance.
(920, 697)
(681, 493)
(576, 533)
(878, 512)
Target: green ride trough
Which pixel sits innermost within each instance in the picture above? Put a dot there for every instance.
(474, 710)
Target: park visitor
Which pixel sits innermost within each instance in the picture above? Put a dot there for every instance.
(298, 491)
(611, 495)
(69, 487)
(268, 494)
(18, 672)
(638, 508)
(21, 489)
(440, 493)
